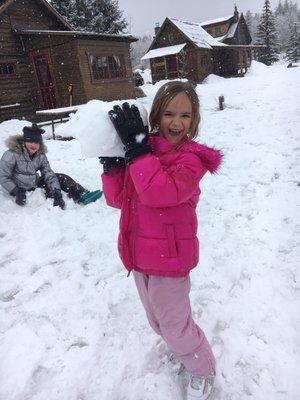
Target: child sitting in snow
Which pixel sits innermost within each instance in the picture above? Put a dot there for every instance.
(19, 166)
(156, 186)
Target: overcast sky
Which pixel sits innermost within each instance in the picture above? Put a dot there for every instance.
(143, 14)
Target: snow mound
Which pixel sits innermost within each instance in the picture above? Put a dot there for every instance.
(146, 74)
(94, 130)
(12, 127)
(151, 89)
(212, 78)
(257, 68)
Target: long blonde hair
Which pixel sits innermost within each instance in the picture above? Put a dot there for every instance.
(167, 93)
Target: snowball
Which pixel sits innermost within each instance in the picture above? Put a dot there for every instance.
(93, 128)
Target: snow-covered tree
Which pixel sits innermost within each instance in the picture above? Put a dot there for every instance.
(286, 16)
(103, 16)
(267, 35)
(279, 9)
(138, 49)
(64, 7)
(252, 23)
(293, 48)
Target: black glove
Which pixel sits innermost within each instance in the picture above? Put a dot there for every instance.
(58, 200)
(112, 162)
(20, 196)
(131, 130)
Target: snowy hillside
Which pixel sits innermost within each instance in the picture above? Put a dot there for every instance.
(71, 324)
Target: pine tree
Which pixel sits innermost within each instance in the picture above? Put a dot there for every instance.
(286, 16)
(249, 19)
(252, 22)
(279, 9)
(268, 35)
(106, 17)
(286, 6)
(293, 49)
(64, 7)
(102, 16)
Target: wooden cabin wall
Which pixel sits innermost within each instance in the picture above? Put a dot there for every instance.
(64, 63)
(30, 14)
(17, 88)
(169, 36)
(226, 62)
(106, 89)
(20, 88)
(205, 64)
(242, 33)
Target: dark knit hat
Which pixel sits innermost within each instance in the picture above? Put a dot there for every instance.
(33, 134)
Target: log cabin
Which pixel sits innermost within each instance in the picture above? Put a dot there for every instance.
(192, 50)
(46, 64)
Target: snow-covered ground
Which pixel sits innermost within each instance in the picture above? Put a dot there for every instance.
(71, 324)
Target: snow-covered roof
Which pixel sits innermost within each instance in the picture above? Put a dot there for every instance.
(163, 51)
(221, 38)
(231, 30)
(197, 34)
(215, 21)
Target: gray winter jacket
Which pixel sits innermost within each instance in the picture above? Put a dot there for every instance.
(17, 168)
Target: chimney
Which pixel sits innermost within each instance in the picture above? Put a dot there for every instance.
(236, 14)
(157, 28)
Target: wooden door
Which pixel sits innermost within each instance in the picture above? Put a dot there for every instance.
(44, 80)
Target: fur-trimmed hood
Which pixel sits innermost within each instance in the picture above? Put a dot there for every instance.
(16, 143)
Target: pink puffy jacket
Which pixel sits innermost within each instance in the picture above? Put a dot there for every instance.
(157, 195)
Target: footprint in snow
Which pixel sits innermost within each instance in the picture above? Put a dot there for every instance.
(9, 295)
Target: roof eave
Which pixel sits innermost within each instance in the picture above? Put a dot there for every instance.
(78, 34)
(216, 23)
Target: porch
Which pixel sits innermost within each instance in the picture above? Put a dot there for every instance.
(234, 60)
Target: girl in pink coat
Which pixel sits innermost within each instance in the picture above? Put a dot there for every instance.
(156, 187)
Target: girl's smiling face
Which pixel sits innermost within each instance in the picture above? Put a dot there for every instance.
(32, 147)
(176, 119)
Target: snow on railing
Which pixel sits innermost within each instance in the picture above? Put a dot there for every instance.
(11, 105)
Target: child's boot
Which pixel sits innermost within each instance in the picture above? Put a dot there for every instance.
(89, 197)
(200, 387)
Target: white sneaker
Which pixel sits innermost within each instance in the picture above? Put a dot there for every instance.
(200, 387)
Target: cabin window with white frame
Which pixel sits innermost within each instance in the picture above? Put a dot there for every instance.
(7, 69)
(107, 66)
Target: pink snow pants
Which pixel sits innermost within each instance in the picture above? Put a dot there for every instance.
(167, 304)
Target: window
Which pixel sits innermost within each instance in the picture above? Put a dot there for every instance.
(158, 65)
(218, 31)
(107, 67)
(171, 37)
(7, 69)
